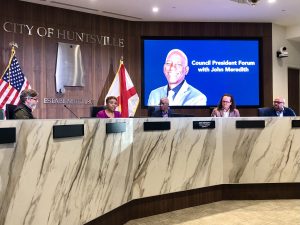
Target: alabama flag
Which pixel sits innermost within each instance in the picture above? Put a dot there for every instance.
(122, 87)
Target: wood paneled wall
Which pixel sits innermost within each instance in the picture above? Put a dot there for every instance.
(37, 55)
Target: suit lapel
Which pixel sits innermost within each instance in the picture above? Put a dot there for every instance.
(182, 93)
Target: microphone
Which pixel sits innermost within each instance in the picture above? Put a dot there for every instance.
(71, 111)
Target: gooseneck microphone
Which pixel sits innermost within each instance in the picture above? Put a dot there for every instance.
(71, 111)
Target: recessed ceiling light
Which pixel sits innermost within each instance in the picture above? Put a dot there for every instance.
(155, 9)
(271, 1)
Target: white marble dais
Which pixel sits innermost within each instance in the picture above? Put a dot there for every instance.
(75, 180)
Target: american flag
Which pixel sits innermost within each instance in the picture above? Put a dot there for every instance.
(12, 83)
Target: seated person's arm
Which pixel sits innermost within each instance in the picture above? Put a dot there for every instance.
(21, 114)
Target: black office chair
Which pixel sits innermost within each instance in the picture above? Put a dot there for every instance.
(10, 111)
(261, 111)
(151, 109)
(96, 109)
(1, 114)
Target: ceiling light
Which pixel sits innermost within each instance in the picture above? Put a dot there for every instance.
(155, 9)
(271, 1)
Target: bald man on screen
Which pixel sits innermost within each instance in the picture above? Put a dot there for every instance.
(178, 91)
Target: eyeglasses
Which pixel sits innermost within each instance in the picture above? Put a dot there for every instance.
(278, 102)
(163, 103)
(226, 101)
(36, 99)
(113, 102)
(175, 65)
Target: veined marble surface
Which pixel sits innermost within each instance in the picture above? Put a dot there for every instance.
(269, 155)
(63, 181)
(176, 160)
(74, 180)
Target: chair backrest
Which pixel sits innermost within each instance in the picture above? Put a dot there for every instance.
(261, 111)
(151, 109)
(96, 109)
(1, 114)
(10, 111)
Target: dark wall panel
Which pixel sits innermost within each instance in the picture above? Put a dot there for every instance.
(37, 55)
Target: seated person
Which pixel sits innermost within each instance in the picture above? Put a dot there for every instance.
(278, 109)
(110, 111)
(164, 110)
(226, 107)
(28, 102)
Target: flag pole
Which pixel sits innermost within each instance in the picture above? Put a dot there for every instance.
(13, 45)
(118, 72)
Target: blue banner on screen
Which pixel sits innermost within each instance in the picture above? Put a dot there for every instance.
(213, 68)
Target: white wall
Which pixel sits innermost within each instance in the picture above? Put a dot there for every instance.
(280, 66)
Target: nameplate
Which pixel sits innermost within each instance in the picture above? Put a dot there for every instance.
(115, 127)
(66, 131)
(295, 123)
(204, 124)
(7, 135)
(163, 125)
(250, 124)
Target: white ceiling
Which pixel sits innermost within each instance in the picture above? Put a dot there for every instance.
(282, 12)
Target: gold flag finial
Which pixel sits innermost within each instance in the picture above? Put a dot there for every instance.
(13, 45)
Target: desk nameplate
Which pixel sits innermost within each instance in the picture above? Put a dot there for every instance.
(295, 123)
(7, 135)
(115, 127)
(152, 126)
(66, 131)
(204, 125)
(250, 124)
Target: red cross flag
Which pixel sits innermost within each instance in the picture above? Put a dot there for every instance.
(122, 88)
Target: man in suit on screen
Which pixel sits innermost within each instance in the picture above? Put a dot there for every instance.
(178, 91)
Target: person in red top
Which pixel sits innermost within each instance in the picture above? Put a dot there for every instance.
(110, 111)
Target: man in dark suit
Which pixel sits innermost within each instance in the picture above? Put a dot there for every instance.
(164, 110)
(278, 109)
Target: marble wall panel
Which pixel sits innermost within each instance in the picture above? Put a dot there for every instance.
(69, 180)
(176, 160)
(269, 155)
(6, 154)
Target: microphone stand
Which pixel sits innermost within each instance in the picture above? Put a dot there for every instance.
(71, 111)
